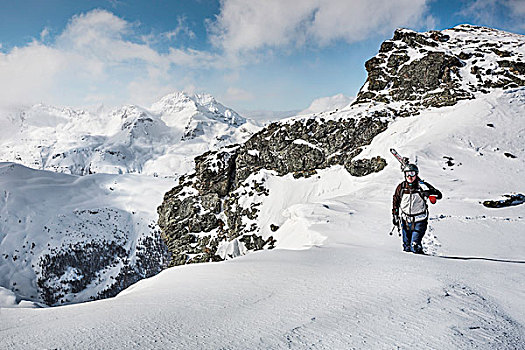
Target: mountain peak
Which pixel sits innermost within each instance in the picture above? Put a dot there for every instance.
(184, 108)
(182, 99)
(439, 68)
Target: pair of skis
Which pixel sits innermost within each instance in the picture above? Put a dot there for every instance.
(403, 161)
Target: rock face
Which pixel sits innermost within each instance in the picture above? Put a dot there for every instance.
(204, 211)
(213, 213)
(509, 201)
(436, 69)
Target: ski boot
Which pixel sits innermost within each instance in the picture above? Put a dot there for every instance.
(417, 248)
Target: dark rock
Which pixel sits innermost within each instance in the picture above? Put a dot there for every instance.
(512, 200)
(465, 55)
(509, 155)
(215, 170)
(254, 242)
(363, 167)
(414, 39)
(386, 46)
(220, 180)
(502, 53)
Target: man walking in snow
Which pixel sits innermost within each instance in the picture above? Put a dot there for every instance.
(409, 207)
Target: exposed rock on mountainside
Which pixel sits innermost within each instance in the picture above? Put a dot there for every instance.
(213, 213)
(67, 239)
(107, 262)
(204, 209)
(437, 69)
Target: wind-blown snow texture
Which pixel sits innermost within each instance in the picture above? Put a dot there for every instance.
(339, 280)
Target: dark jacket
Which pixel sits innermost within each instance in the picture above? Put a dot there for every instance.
(414, 188)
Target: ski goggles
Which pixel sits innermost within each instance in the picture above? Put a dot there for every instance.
(410, 173)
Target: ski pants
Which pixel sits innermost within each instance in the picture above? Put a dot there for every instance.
(413, 234)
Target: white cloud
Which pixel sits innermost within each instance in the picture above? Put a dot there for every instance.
(508, 14)
(98, 55)
(196, 59)
(44, 34)
(235, 94)
(517, 5)
(517, 12)
(181, 29)
(325, 104)
(245, 25)
(27, 74)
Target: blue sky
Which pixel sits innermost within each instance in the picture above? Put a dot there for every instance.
(249, 54)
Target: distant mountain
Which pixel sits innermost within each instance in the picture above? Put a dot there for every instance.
(327, 104)
(161, 140)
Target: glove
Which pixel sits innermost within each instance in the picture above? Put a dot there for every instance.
(395, 220)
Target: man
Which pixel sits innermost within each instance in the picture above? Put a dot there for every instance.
(410, 206)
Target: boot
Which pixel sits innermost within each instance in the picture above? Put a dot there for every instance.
(417, 248)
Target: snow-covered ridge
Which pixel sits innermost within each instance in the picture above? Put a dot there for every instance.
(87, 229)
(161, 140)
(266, 209)
(438, 68)
(354, 287)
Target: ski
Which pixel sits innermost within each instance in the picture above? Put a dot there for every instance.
(402, 160)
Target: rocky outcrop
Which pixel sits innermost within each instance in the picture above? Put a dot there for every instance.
(509, 201)
(436, 69)
(204, 211)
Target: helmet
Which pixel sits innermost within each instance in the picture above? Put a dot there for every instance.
(411, 167)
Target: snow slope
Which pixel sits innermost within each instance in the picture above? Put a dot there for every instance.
(354, 287)
(337, 279)
(50, 222)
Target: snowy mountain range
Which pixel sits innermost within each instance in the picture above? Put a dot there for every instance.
(161, 140)
(92, 188)
(303, 204)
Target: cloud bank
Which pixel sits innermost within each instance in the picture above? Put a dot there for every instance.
(97, 58)
(244, 26)
(100, 57)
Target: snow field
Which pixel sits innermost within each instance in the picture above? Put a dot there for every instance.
(42, 211)
(353, 287)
